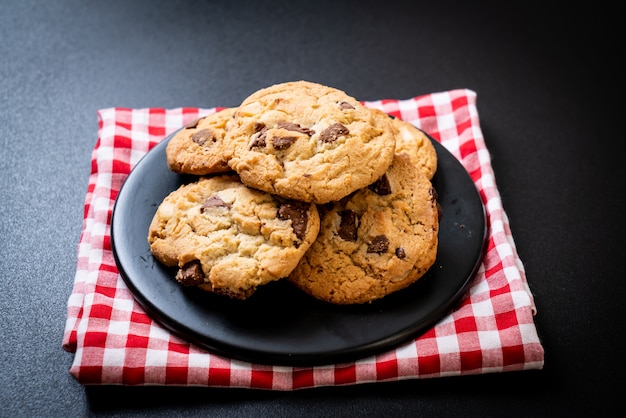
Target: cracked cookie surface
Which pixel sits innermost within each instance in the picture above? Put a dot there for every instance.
(374, 242)
(228, 238)
(309, 142)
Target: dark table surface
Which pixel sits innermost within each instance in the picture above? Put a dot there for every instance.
(549, 90)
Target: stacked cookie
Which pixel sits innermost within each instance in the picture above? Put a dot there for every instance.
(303, 183)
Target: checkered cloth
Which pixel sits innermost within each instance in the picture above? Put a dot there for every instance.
(116, 343)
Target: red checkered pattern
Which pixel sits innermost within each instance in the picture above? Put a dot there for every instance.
(115, 342)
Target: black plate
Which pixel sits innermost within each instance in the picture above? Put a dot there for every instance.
(279, 324)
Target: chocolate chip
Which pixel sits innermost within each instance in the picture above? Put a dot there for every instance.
(435, 195)
(348, 226)
(381, 186)
(298, 213)
(259, 141)
(214, 202)
(202, 136)
(191, 274)
(290, 126)
(345, 106)
(283, 142)
(193, 124)
(333, 132)
(400, 253)
(379, 244)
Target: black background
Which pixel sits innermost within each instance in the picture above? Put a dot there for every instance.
(550, 98)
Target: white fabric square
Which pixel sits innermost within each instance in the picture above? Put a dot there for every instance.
(114, 357)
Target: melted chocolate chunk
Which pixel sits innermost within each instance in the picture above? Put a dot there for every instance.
(400, 253)
(349, 225)
(259, 141)
(203, 136)
(379, 244)
(290, 126)
(381, 186)
(214, 202)
(191, 274)
(345, 106)
(333, 132)
(283, 142)
(298, 214)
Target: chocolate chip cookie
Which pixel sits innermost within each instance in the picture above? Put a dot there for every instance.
(414, 142)
(197, 148)
(228, 238)
(374, 242)
(309, 142)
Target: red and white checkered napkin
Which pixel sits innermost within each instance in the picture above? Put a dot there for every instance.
(116, 342)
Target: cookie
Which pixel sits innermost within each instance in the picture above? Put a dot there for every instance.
(197, 148)
(309, 142)
(374, 242)
(413, 142)
(227, 238)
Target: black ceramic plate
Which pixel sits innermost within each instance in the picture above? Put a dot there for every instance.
(279, 324)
